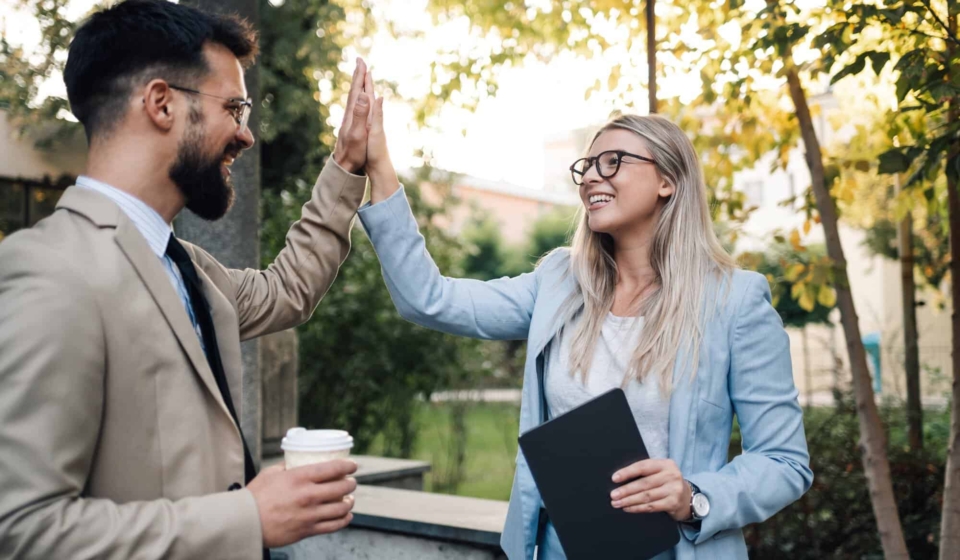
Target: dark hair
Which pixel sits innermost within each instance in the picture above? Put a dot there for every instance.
(140, 40)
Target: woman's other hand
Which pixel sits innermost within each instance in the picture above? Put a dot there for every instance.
(657, 485)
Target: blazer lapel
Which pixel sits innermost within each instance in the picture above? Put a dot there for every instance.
(155, 278)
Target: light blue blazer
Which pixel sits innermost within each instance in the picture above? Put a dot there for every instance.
(744, 369)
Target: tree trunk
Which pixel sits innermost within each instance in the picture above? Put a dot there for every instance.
(911, 348)
(873, 440)
(235, 239)
(950, 522)
(807, 377)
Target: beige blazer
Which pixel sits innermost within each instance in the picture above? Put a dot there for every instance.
(114, 439)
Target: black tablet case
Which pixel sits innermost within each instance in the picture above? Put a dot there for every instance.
(572, 458)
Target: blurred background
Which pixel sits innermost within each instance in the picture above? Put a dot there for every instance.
(811, 116)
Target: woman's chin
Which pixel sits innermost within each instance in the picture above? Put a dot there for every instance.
(600, 226)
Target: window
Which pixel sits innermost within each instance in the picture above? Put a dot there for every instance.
(23, 203)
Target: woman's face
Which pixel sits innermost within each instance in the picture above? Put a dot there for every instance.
(630, 200)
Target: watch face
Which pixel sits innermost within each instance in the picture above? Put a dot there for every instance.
(701, 505)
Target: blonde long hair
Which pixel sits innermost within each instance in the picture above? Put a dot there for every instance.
(684, 255)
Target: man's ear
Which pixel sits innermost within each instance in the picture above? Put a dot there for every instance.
(158, 104)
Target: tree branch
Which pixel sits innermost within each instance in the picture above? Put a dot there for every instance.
(943, 24)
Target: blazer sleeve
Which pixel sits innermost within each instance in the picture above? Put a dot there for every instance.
(288, 291)
(51, 404)
(497, 309)
(773, 470)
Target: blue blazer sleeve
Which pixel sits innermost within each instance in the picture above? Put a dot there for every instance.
(497, 309)
(774, 469)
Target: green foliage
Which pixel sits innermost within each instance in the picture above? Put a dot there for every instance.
(834, 519)
(550, 231)
(302, 44)
(924, 49)
(22, 74)
(486, 257)
(799, 274)
(362, 367)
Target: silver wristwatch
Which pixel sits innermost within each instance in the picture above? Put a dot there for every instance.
(699, 504)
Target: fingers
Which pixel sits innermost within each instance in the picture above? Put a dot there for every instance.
(368, 89)
(331, 526)
(356, 88)
(642, 485)
(646, 467)
(326, 471)
(334, 510)
(358, 128)
(332, 491)
(667, 504)
(376, 120)
(644, 497)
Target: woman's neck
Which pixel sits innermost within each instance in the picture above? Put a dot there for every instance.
(634, 270)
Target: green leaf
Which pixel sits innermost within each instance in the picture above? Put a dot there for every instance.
(854, 67)
(894, 161)
(878, 60)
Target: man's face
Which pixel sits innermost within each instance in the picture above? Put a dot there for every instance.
(212, 139)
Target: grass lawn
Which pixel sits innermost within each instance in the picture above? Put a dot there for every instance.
(489, 452)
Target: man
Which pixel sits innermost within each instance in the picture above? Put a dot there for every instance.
(120, 345)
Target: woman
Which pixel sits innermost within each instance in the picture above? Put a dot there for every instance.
(645, 298)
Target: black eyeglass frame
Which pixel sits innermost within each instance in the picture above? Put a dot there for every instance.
(595, 162)
(241, 113)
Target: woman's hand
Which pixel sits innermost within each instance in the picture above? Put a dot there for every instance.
(383, 177)
(659, 487)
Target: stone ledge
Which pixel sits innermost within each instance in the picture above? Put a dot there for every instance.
(460, 519)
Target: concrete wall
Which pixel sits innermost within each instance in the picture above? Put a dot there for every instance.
(368, 544)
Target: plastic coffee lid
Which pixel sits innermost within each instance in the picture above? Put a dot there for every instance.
(302, 439)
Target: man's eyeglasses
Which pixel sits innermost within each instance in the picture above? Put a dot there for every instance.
(239, 108)
(606, 163)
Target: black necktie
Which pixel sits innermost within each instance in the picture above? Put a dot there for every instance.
(202, 313)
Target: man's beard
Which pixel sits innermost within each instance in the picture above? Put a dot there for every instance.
(207, 192)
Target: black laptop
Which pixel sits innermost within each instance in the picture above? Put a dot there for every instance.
(572, 458)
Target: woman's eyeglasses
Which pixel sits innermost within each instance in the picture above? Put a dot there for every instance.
(606, 163)
(239, 108)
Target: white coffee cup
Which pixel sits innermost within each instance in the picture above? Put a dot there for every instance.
(305, 447)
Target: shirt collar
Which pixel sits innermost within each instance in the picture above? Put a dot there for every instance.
(148, 221)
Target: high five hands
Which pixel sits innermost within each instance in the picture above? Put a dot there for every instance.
(362, 145)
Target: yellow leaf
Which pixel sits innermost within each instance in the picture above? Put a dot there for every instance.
(806, 227)
(806, 301)
(795, 240)
(796, 289)
(827, 296)
(794, 271)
